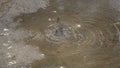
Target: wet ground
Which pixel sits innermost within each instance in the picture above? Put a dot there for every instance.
(65, 34)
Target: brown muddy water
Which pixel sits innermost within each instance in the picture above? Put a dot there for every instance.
(63, 34)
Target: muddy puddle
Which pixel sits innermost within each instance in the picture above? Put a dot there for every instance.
(60, 34)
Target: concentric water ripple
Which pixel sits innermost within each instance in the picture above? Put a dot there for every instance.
(83, 33)
(66, 34)
(61, 32)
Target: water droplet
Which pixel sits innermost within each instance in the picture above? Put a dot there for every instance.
(11, 63)
(62, 67)
(5, 44)
(54, 11)
(5, 29)
(49, 19)
(78, 25)
(9, 47)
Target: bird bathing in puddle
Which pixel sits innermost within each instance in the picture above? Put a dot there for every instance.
(61, 32)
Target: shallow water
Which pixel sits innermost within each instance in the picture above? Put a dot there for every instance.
(87, 35)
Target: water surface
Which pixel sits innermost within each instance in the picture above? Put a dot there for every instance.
(87, 35)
